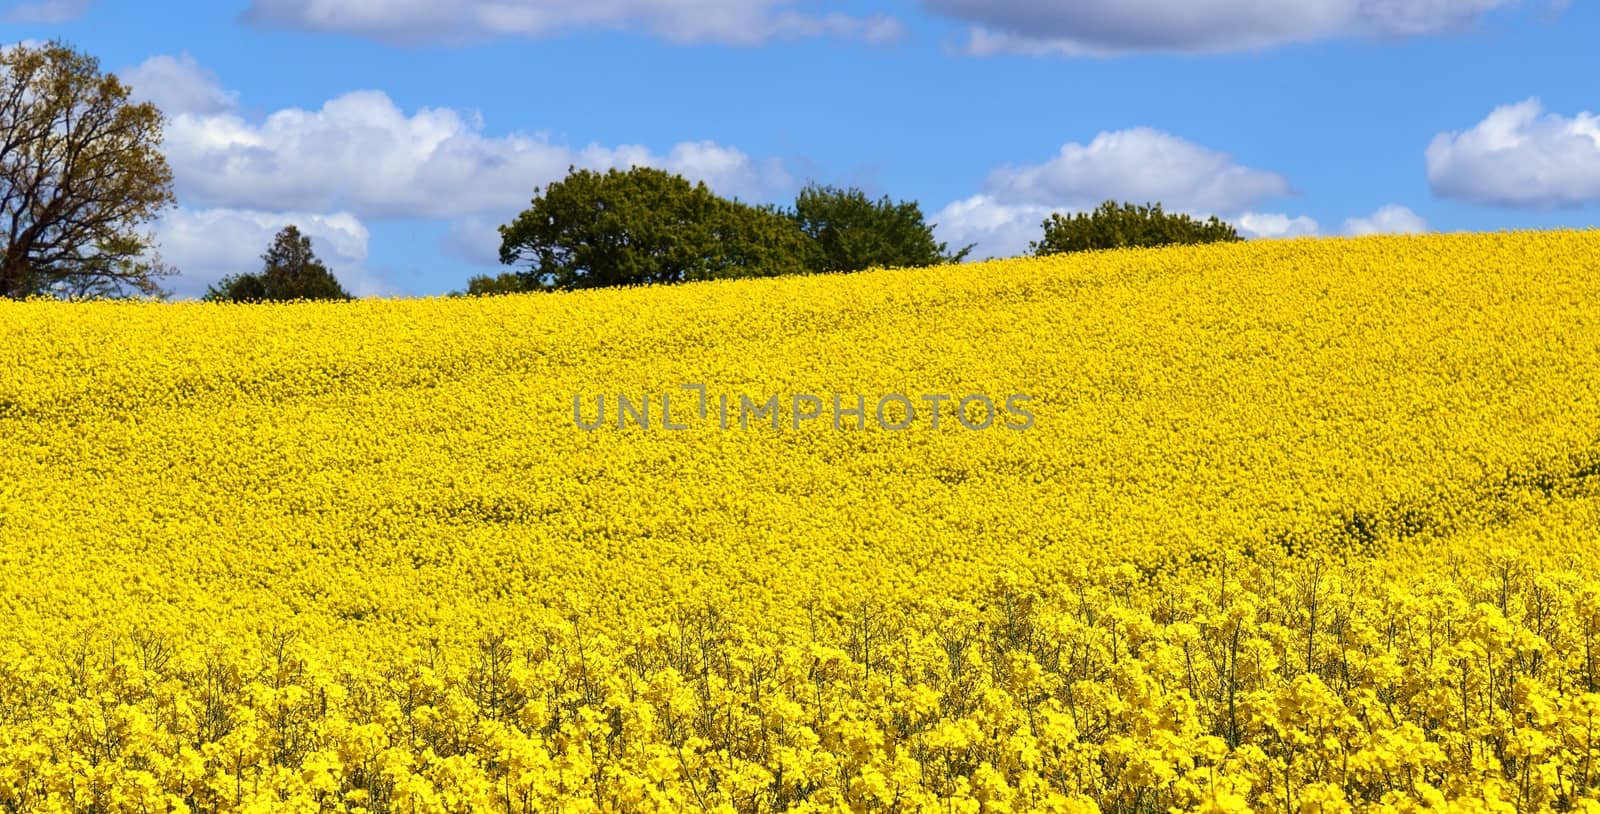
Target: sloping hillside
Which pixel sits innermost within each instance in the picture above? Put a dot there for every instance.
(1224, 529)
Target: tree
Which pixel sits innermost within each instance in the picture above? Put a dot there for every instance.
(849, 232)
(1111, 226)
(80, 171)
(642, 226)
(291, 271)
(483, 285)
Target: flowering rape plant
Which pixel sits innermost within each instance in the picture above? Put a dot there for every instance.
(1303, 526)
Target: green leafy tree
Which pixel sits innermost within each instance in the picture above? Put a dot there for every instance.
(1111, 226)
(291, 271)
(483, 285)
(81, 170)
(642, 226)
(849, 232)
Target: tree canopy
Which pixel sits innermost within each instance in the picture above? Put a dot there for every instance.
(1111, 226)
(291, 271)
(81, 171)
(641, 226)
(508, 282)
(849, 232)
(644, 225)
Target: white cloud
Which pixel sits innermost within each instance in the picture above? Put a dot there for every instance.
(360, 152)
(1392, 219)
(1517, 157)
(1106, 27)
(178, 85)
(998, 229)
(1272, 224)
(877, 29)
(207, 244)
(736, 22)
(1140, 165)
(725, 170)
(362, 157)
(46, 12)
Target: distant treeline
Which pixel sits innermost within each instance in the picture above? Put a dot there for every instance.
(81, 171)
(644, 225)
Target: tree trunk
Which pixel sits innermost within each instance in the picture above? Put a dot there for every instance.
(13, 274)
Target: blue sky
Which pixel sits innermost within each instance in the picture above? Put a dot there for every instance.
(400, 133)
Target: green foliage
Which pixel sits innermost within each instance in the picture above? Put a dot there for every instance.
(642, 226)
(80, 170)
(484, 285)
(1111, 226)
(849, 232)
(291, 272)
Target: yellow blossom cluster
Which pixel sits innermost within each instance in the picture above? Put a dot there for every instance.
(1291, 526)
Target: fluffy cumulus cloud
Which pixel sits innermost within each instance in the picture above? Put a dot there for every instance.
(724, 169)
(1392, 219)
(362, 153)
(1520, 156)
(737, 22)
(207, 244)
(1139, 165)
(178, 85)
(43, 11)
(1272, 224)
(1105, 27)
(998, 229)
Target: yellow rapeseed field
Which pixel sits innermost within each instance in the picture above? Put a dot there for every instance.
(1280, 526)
